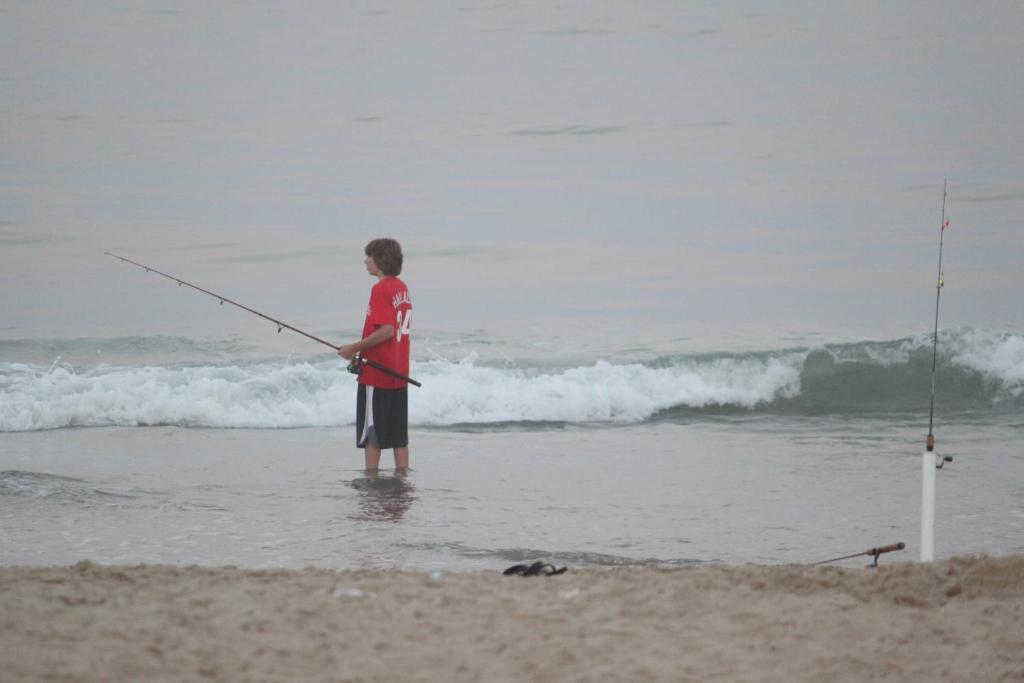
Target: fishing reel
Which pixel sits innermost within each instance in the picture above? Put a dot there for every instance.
(355, 366)
(930, 447)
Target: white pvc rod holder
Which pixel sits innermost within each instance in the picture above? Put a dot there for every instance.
(928, 506)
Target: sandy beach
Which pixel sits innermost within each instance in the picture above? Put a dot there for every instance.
(958, 620)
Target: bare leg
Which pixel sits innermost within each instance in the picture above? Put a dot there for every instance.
(401, 459)
(372, 456)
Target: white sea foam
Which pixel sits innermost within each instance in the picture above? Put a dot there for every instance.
(467, 393)
(263, 396)
(992, 354)
(310, 395)
(321, 394)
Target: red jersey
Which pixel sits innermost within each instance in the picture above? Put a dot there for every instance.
(389, 305)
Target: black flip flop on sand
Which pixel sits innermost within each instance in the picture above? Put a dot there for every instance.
(538, 568)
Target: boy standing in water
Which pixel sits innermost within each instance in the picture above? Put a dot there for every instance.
(382, 405)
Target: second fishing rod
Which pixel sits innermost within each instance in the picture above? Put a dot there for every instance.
(355, 366)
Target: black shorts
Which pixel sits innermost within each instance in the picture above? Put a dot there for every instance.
(382, 417)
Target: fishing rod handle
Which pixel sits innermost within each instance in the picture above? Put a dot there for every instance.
(886, 549)
(388, 371)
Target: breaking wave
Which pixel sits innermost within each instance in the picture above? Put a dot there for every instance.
(978, 370)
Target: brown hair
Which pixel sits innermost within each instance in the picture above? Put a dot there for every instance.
(387, 254)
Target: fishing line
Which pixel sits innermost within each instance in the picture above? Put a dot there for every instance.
(354, 366)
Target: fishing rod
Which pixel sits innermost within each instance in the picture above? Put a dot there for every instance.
(930, 461)
(355, 367)
(875, 552)
(930, 441)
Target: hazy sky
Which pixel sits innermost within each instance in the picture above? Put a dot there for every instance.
(678, 159)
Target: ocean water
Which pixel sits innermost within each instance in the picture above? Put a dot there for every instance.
(673, 266)
(225, 452)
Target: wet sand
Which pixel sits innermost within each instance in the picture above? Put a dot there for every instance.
(958, 620)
